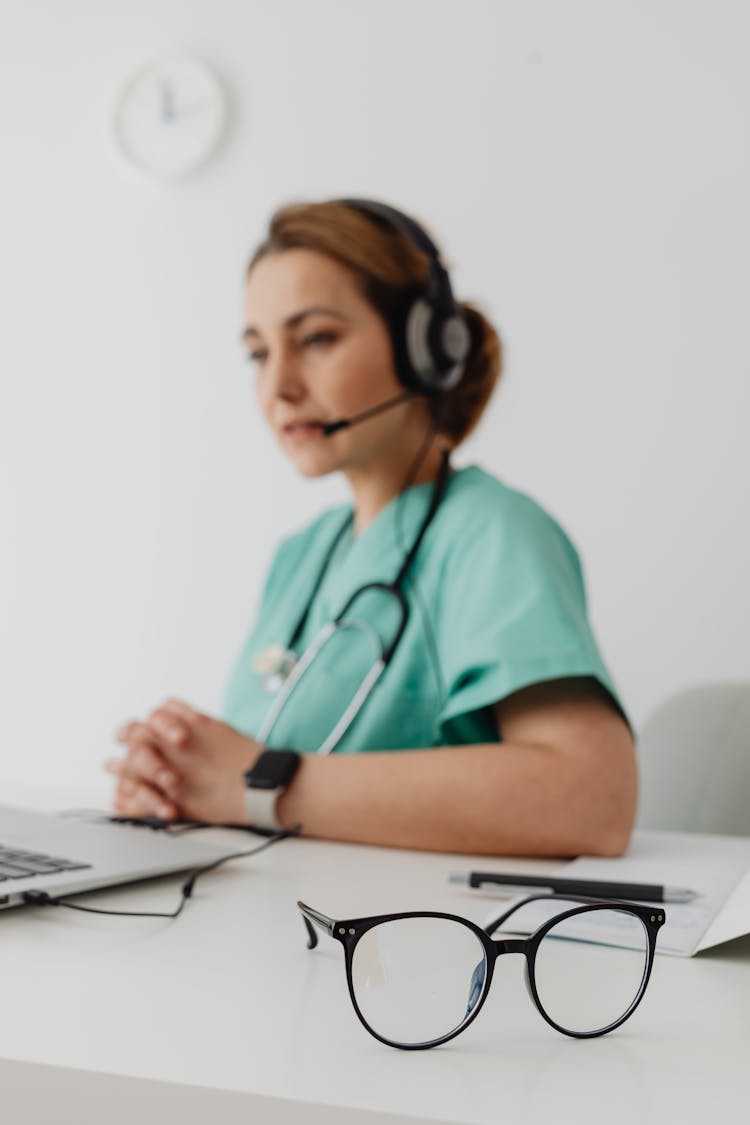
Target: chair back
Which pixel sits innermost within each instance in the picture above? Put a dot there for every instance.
(694, 756)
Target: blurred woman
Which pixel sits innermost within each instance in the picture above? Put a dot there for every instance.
(422, 656)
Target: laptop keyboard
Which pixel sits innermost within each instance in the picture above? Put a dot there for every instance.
(15, 864)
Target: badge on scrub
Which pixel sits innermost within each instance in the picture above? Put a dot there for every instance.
(274, 664)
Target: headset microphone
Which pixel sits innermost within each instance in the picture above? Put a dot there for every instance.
(343, 423)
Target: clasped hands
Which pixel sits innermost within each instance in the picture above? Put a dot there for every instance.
(182, 763)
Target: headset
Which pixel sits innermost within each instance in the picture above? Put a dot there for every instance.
(430, 336)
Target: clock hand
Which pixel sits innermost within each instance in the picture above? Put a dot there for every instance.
(167, 103)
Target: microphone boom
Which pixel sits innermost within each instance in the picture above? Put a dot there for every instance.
(344, 423)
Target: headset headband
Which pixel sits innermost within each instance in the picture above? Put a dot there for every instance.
(439, 281)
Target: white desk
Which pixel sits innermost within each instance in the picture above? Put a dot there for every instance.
(225, 1015)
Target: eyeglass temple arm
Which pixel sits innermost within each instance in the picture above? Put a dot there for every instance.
(496, 923)
(321, 920)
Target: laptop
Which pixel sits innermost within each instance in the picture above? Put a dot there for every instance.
(64, 855)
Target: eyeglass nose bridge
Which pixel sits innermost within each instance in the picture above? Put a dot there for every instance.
(511, 945)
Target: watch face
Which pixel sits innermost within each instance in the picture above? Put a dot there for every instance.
(274, 769)
(170, 117)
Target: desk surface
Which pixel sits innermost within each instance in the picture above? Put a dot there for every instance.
(227, 1011)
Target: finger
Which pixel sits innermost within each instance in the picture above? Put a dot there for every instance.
(192, 718)
(123, 731)
(143, 762)
(120, 768)
(182, 710)
(138, 807)
(134, 798)
(174, 729)
(132, 732)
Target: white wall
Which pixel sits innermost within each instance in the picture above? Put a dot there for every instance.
(586, 166)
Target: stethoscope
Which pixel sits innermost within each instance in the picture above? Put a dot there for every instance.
(286, 670)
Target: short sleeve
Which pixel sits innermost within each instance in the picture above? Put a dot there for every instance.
(513, 612)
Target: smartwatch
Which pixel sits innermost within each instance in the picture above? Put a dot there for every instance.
(264, 784)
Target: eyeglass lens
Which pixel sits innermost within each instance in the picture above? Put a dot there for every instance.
(580, 985)
(418, 979)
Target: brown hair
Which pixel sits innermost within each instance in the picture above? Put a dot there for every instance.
(389, 268)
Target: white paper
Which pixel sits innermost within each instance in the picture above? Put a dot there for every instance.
(716, 867)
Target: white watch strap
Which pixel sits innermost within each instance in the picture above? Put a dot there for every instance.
(260, 807)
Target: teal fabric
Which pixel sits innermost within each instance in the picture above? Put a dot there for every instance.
(497, 603)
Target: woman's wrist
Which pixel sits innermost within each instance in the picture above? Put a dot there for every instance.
(266, 785)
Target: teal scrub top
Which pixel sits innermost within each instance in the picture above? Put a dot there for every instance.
(496, 603)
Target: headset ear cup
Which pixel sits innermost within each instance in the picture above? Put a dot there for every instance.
(397, 326)
(452, 344)
(436, 346)
(429, 349)
(419, 321)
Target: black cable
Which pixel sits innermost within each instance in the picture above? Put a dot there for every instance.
(180, 827)
(42, 898)
(160, 824)
(411, 578)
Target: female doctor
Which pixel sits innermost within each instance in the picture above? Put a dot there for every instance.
(421, 657)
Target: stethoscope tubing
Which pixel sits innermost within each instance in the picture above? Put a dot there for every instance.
(304, 663)
(341, 621)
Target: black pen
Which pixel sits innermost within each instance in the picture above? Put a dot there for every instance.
(595, 888)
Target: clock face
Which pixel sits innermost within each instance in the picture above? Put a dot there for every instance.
(170, 117)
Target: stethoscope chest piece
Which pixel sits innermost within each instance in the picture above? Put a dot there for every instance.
(274, 664)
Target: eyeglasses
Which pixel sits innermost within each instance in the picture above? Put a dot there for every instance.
(418, 979)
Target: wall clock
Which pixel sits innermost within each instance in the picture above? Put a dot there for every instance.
(170, 117)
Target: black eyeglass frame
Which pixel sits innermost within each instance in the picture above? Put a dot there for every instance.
(349, 931)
